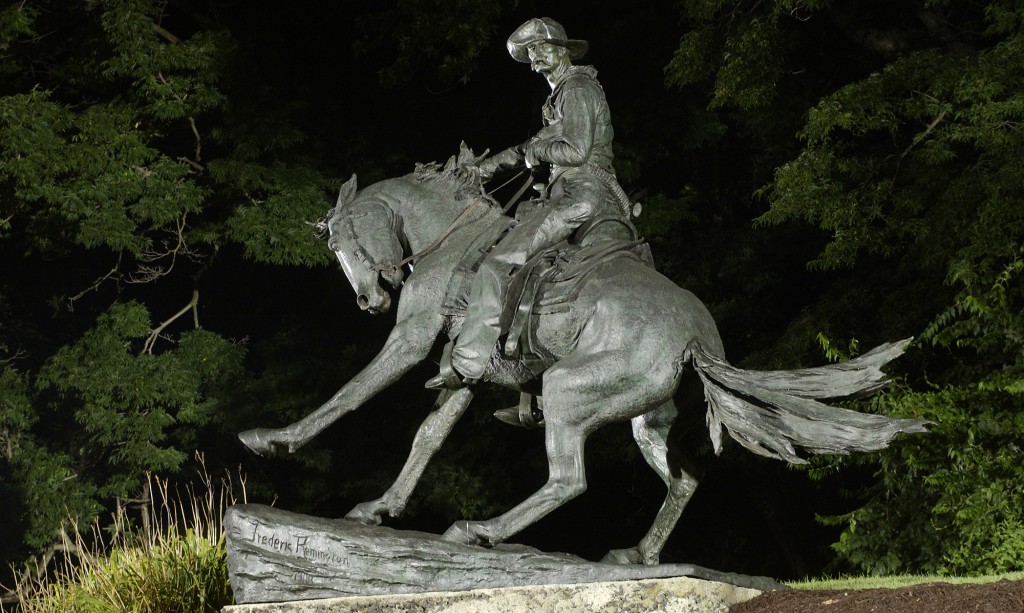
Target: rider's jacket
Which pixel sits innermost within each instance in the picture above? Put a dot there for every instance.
(577, 128)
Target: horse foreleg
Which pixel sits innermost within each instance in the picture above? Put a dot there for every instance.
(432, 433)
(566, 480)
(408, 344)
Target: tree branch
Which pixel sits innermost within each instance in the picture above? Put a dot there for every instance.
(927, 131)
(165, 34)
(19, 354)
(155, 334)
(149, 270)
(114, 273)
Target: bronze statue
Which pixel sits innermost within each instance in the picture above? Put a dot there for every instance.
(576, 143)
(596, 354)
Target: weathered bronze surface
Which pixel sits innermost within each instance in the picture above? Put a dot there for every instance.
(599, 340)
(278, 556)
(575, 146)
(608, 356)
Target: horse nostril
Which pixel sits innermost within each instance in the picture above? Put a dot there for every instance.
(363, 301)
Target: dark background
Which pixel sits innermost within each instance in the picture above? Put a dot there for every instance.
(314, 93)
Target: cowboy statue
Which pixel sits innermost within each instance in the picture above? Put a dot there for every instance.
(576, 146)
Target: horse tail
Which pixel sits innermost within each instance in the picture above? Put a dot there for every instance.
(777, 413)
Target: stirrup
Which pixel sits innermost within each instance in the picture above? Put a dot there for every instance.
(527, 414)
(447, 378)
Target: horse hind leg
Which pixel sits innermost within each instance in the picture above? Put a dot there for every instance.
(651, 433)
(582, 393)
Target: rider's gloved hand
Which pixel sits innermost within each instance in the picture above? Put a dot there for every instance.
(508, 158)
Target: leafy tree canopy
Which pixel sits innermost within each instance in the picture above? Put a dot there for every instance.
(848, 172)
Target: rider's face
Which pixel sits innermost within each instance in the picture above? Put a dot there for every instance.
(546, 58)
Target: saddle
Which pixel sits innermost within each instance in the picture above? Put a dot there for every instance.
(548, 283)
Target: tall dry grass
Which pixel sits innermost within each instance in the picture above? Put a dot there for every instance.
(171, 558)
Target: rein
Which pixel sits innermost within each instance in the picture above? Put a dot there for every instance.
(387, 267)
(455, 223)
(522, 188)
(348, 230)
(390, 268)
(447, 232)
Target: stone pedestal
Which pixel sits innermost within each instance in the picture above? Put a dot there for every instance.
(676, 595)
(279, 557)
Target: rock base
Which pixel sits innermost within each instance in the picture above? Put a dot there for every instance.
(311, 564)
(674, 595)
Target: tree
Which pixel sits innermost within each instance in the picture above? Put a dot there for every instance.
(157, 186)
(910, 162)
(119, 162)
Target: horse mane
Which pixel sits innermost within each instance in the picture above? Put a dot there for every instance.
(459, 175)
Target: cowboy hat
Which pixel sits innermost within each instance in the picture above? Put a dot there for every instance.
(547, 30)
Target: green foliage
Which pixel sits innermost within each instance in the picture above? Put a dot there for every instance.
(171, 78)
(176, 562)
(92, 170)
(950, 502)
(52, 487)
(275, 225)
(742, 47)
(127, 404)
(15, 21)
(924, 153)
(910, 162)
(118, 153)
(987, 320)
(834, 352)
(132, 411)
(179, 572)
(123, 165)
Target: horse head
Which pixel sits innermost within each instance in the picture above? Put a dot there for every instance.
(364, 238)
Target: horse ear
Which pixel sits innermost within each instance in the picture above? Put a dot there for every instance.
(347, 193)
(467, 157)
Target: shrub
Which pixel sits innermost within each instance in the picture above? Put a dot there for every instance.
(174, 560)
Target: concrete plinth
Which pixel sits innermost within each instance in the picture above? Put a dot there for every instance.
(675, 595)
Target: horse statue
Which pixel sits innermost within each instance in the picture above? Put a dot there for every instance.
(616, 352)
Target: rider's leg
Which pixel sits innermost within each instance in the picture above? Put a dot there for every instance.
(481, 329)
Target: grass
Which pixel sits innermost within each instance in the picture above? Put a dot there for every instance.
(174, 561)
(864, 583)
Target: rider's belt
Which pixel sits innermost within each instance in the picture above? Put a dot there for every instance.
(606, 178)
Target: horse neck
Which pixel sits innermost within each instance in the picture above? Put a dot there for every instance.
(428, 216)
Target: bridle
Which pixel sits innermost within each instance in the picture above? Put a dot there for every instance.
(346, 230)
(342, 227)
(390, 269)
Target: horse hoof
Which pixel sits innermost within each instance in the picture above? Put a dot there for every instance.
(623, 556)
(464, 532)
(259, 441)
(366, 513)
